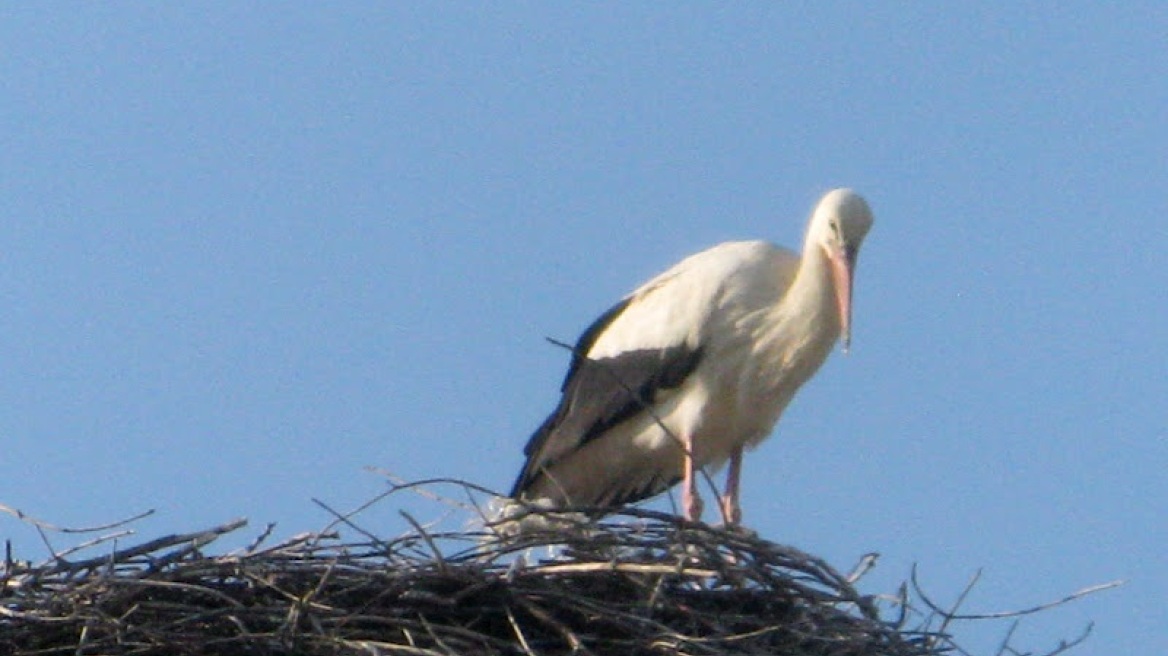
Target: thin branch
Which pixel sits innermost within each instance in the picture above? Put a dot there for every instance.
(434, 550)
(950, 614)
(25, 517)
(865, 565)
(519, 633)
(197, 538)
(1065, 645)
(953, 615)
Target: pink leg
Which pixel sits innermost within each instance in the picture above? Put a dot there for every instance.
(691, 503)
(731, 511)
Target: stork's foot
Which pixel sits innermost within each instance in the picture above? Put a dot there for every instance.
(731, 511)
(739, 529)
(692, 505)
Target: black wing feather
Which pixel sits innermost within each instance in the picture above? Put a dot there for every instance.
(588, 338)
(599, 394)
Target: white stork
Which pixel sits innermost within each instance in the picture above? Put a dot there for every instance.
(695, 366)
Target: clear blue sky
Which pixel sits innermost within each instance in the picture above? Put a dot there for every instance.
(246, 251)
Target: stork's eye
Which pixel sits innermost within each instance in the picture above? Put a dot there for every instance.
(835, 232)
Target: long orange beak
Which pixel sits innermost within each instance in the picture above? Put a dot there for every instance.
(842, 269)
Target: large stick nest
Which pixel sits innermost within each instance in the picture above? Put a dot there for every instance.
(636, 583)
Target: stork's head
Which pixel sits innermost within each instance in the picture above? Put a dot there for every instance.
(838, 226)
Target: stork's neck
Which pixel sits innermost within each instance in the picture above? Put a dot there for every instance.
(810, 300)
(794, 337)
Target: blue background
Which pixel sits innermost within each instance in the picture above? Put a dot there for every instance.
(247, 250)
